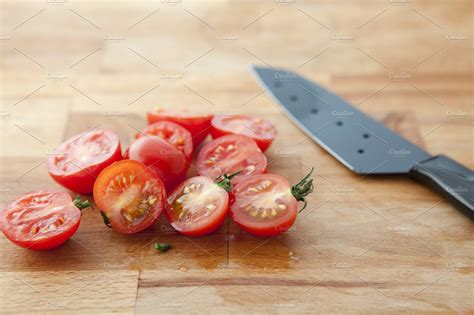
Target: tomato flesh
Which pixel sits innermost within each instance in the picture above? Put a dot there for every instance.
(197, 207)
(197, 124)
(130, 195)
(260, 130)
(263, 205)
(230, 154)
(77, 162)
(40, 219)
(174, 134)
(168, 162)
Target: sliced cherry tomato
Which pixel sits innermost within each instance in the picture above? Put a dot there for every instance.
(260, 130)
(197, 124)
(168, 161)
(231, 154)
(173, 133)
(130, 196)
(41, 219)
(77, 162)
(266, 204)
(197, 207)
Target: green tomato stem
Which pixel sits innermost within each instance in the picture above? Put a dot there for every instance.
(303, 188)
(224, 181)
(106, 219)
(163, 247)
(81, 204)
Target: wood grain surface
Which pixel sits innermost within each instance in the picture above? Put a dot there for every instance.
(364, 245)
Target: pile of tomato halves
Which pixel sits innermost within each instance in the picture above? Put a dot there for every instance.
(132, 188)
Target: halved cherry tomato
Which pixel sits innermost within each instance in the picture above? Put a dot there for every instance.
(77, 162)
(197, 207)
(41, 219)
(197, 124)
(168, 161)
(260, 130)
(130, 196)
(266, 204)
(231, 154)
(173, 133)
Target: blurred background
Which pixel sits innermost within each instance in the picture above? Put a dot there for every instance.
(61, 57)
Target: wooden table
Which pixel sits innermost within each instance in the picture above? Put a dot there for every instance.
(365, 244)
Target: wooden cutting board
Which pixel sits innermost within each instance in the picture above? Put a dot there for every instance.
(365, 244)
(345, 247)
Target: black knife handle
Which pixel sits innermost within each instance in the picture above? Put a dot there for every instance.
(452, 179)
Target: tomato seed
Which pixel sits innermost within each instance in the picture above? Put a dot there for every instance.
(147, 186)
(250, 168)
(152, 199)
(265, 184)
(211, 206)
(128, 217)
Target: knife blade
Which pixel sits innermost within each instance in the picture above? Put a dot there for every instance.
(359, 142)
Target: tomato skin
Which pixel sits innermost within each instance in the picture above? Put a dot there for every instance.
(115, 196)
(269, 231)
(175, 134)
(51, 243)
(82, 180)
(17, 222)
(222, 125)
(169, 163)
(248, 197)
(215, 159)
(216, 195)
(197, 124)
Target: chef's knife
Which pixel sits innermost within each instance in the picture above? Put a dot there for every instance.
(359, 142)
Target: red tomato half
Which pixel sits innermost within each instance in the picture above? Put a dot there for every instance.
(40, 219)
(197, 207)
(174, 134)
(260, 130)
(263, 205)
(130, 195)
(197, 124)
(231, 154)
(168, 161)
(77, 162)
